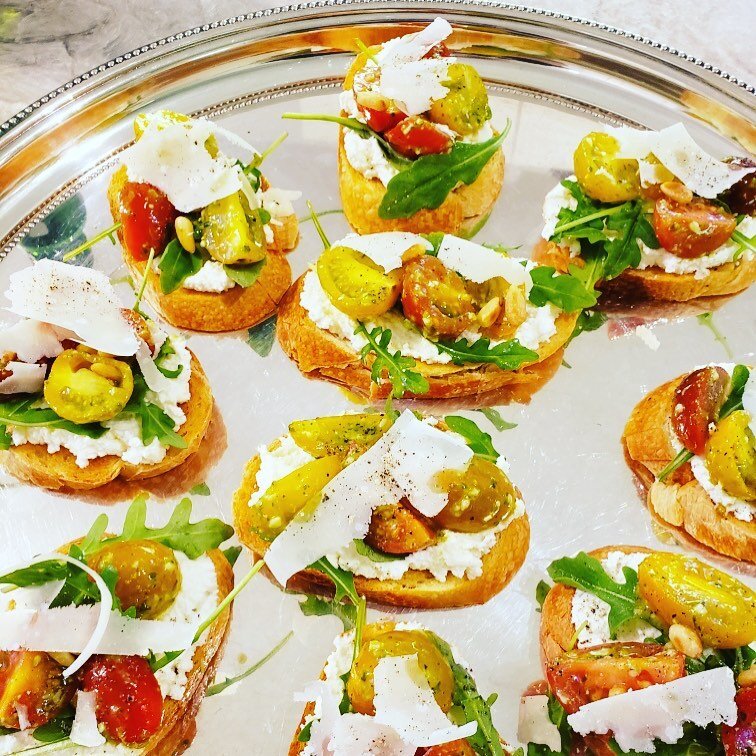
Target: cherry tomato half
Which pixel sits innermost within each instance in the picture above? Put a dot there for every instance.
(381, 120)
(129, 701)
(416, 136)
(456, 748)
(697, 400)
(690, 230)
(147, 217)
(399, 529)
(740, 739)
(731, 456)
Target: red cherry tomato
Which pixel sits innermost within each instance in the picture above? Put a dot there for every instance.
(456, 748)
(740, 738)
(579, 677)
(697, 401)
(147, 216)
(416, 136)
(438, 51)
(129, 701)
(435, 299)
(693, 229)
(381, 120)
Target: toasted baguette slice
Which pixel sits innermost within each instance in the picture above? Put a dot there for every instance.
(34, 464)
(416, 588)
(557, 631)
(679, 503)
(320, 354)
(463, 209)
(224, 311)
(655, 283)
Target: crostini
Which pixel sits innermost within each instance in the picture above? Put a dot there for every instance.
(691, 445)
(395, 689)
(420, 511)
(417, 151)
(434, 316)
(643, 650)
(216, 229)
(91, 390)
(110, 644)
(651, 215)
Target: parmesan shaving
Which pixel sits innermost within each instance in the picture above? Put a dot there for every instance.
(29, 340)
(23, 378)
(384, 249)
(84, 730)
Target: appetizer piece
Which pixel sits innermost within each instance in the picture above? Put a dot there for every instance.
(91, 390)
(437, 316)
(691, 445)
(643, 650)
(420, 511)
(395, 689)
(211, 228)
(651, 215)
(110, 644)
(417, 151)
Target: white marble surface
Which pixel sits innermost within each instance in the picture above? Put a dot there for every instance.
(44, 43)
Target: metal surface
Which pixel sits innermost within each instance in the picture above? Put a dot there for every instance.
(556, 78)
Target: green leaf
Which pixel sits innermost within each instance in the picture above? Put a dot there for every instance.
(734, 401)
(683, 456)
(588, 320)
(542, 590)
(479, 441)
(201, 489)
(507, 355)
(399, 368)
(587, 574)
(23, 413)
(495, 418)
(304, 735)
(232, 554)
(262, 336)
(314, 606)
(166, 351)
(366, 550)
(35, 574)
(56, 729)
(245, 275)
(153, 422)
(427, 182)
(176, 265)
(470, 705)
(565, 291)
(6, 440)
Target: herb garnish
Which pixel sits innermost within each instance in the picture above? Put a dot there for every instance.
(165, 352)
(23, 412)
(507, 355)
(176, 265)
(154, 423)
(479, 441)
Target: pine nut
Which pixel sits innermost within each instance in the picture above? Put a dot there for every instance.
(64, 658)
(490, 312)
(677, 192)
(110, 372)
(515, 306)
(185, 233)
(747, 677)
(686, 640)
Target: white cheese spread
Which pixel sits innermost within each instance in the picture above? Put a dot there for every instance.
(366, 157)
(554, 202)
(211, 277)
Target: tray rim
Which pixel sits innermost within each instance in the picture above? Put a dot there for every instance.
(666, 51)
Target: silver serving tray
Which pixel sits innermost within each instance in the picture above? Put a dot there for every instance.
(556, 77)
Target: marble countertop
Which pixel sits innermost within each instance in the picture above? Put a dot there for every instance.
(44, 43)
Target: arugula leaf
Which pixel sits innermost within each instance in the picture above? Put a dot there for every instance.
(176, 265)
(304, 735)
(587, 574)
(737, 659)
(564, 290)
(427, 182)
(479, 441)
(366, 550)
(682, 457)
(232, 554)
(314, 606)
(734, 401)
(201, 489)
(262, 336)
(153, 422)
(470, 705)
(245, 275)
(588, 320)
(494, 417)
(56, 729)
(35, 574)
(507, 355)
(6, 440)
(399, 368)
(542, 590)
(23, 413)
(166, 350)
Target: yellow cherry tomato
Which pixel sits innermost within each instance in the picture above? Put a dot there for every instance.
(149, 576)
(232, 233)
(465, 108)
(376, 646)
(143, 120)
(289, 495)
(682, 589)
(731, 456)
(88, 387)
(600, 174)
(480, 497)
(355, 284)
(339, 435)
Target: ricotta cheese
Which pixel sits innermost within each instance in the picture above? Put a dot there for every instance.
(366, 157)
(553, 203)
(590, 614)
(211, 277)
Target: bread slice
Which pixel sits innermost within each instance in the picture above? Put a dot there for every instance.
(655, 283)
(416, 588)
(223, 311)
(320, 354)
(462, 210)
(557, 633)
(59, 471)
(679, 503)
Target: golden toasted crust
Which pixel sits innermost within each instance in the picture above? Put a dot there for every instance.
(655, 283)
(557, 630)
(680, 504)
(34, 464)
(416, 588)
(320, 354)
(458, 214)
(223, 311)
